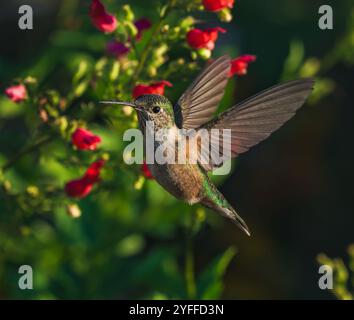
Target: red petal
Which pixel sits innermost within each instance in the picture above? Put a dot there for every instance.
(84, 139)
(102, 20)
(146, 171)
(92, 174)
(16, 93)
(78, 188)
(239, 65)
(217, 5)
(197, 38)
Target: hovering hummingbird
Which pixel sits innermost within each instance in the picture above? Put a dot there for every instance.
(250, 121)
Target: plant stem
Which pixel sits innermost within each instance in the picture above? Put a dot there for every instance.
(26, 150)
(189, 261)
(164, 12)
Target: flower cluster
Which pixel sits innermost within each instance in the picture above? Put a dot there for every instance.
(134, 72)
(85, 140)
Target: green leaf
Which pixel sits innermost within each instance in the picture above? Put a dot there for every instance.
(209, 284)
(294, 60)
(130, 245)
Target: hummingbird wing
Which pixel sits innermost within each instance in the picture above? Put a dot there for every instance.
(254, 119)
(199, 102)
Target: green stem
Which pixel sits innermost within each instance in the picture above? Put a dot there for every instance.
(189, 262)
(145, 53)
(26, 150)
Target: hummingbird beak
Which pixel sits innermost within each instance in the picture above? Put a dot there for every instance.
(123, 103)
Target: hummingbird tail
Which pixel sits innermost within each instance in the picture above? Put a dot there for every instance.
(225, 209)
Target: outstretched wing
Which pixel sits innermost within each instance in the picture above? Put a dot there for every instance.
(255, 119)
(199, 102)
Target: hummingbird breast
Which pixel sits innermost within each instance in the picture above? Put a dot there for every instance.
(184, 181)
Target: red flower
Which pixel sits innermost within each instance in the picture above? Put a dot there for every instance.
(155, 88)
(217, 5)
(101, 19)
(142, 24)
(198, 39)
(116, 48)
(16, 93)
(146, 171)
(85, 140)
(92, 174)
(81, 187)
(239, 65)
(78, 188)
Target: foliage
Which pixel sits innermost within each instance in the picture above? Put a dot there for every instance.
(71, 229)
(343, 283)
(121, 236)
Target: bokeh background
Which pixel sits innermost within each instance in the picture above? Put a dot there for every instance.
(295, 190)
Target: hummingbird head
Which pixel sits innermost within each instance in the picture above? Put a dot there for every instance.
(156, 108)
(151, 107)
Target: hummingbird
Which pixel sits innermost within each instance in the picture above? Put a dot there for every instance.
(250, 122)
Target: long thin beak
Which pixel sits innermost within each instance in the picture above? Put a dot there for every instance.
(122, 103)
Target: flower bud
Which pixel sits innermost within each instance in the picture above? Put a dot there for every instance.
(127, 110)
(187, 23)
(225, 15)
(7, 186)
(204, 53)
(113, 75)
(128, 13)
(73, 210)
(310, 67)
(138, 184)
(132, 29)
(33, 191)
(194, 55)
(43, 115)
(30, 80)
(106, 155)
(152, 71)
(165, 28)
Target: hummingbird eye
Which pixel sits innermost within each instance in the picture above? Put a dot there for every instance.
(156, 109)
